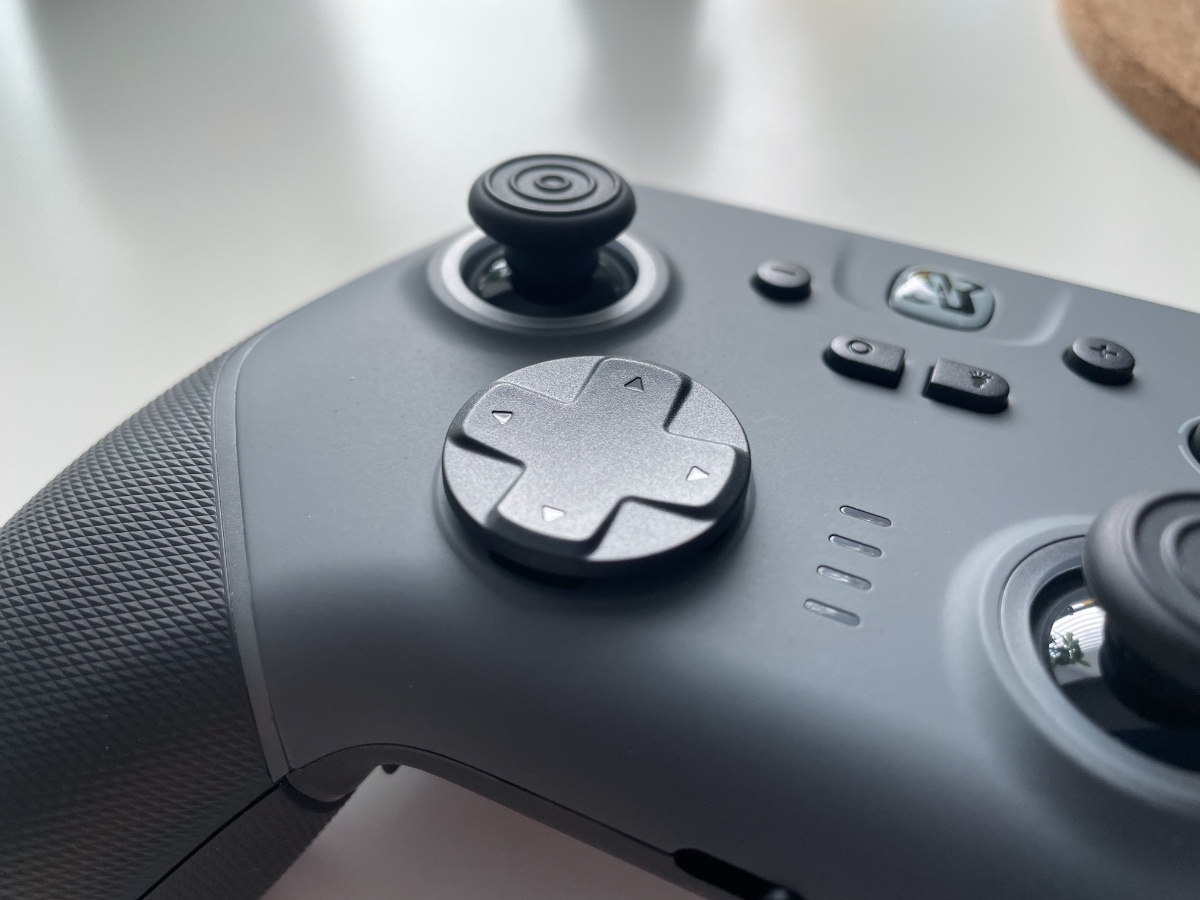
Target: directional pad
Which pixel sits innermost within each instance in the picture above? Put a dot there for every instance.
(593, 466)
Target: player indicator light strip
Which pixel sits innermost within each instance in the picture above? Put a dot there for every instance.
(844, 578)
(825, 611)
(864, 516)
(857, 546)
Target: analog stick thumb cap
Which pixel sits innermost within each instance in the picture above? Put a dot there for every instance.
(1141, 559)
(552, 214)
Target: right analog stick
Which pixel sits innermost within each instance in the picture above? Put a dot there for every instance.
(552, 214)
(1141, 560)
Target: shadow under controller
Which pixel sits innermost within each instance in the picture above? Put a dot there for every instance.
(780, 561)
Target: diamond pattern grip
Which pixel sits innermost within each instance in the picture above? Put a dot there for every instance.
(126, 736)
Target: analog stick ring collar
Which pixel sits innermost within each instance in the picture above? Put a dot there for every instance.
(552, 253)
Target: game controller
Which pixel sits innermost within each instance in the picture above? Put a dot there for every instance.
(780, 561)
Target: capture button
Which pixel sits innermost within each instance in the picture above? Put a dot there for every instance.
(966, 386)
(941, 298)
(1100, 360)
(866, 360)
(782, 280)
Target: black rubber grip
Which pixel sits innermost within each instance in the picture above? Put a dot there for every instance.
(126, 735)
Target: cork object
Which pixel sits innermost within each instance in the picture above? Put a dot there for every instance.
(1148, 54)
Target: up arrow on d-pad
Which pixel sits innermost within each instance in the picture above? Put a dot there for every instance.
(635, 384)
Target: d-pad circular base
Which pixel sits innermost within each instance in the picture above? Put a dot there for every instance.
(592, 466)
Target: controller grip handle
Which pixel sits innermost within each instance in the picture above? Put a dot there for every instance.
(127, 740)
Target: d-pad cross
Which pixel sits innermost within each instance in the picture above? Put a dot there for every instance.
(582, 459)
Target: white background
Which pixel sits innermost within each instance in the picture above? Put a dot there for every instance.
(173, 176)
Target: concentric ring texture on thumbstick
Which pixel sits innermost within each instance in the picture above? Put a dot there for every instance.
(1141, 560)
(552, 214)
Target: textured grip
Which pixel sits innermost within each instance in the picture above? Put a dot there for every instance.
(126, 735)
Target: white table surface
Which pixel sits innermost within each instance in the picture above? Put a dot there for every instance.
(173, 176)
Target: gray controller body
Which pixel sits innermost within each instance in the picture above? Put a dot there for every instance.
(899, 749)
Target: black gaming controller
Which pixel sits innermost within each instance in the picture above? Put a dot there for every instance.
(780, 561)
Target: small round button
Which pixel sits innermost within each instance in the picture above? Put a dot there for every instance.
(595, 466)
(1194, 443)
(781, 280)
(1100, 360)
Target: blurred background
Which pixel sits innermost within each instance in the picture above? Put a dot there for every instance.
(175, 175)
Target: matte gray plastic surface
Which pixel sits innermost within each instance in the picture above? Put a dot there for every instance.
(836, 699)
(907, 755)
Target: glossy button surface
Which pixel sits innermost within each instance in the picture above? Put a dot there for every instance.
(942, 298)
